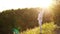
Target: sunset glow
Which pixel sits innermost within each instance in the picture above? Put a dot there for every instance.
(45, 3)
(14, 4)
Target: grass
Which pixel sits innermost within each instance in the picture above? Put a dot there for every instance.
(47, 28)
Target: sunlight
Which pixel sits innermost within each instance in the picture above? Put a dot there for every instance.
(45, 3)
(14, 4)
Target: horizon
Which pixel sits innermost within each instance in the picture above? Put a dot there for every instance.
(15, 4)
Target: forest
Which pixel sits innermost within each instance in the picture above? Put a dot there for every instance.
(26, 19)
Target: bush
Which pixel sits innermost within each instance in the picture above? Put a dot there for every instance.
(47, 28)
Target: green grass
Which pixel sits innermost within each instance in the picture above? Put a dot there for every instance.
(47, 28)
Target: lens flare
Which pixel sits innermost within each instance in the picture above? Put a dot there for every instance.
(45, 3)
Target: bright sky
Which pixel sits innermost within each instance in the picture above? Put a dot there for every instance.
(14, 4)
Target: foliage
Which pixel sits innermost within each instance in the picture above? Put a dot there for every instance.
(19, 18)
(47, 28)
(26, 19)
(56, 10)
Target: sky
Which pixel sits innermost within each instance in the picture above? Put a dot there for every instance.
(14, 4)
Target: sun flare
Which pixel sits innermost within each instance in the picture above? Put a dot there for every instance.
(14, 4)
(45, 3)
